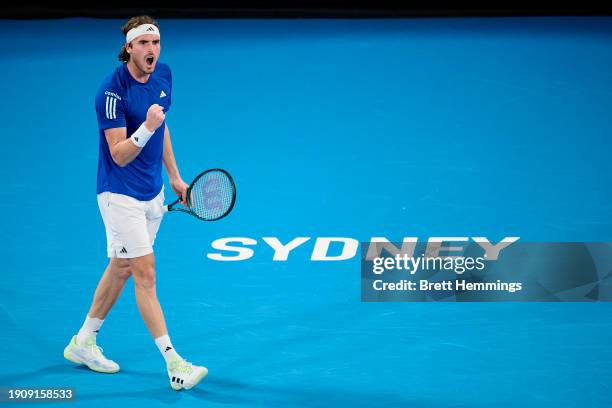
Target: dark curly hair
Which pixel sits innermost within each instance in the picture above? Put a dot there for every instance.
(132, 23)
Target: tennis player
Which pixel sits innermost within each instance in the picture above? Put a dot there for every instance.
(131, 107)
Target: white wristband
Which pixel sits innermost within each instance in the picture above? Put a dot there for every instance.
(141, 136)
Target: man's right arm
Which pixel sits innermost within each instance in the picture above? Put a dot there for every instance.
(123, 149)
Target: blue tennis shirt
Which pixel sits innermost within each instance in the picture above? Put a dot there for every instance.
(122, 101)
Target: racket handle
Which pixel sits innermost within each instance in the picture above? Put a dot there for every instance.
(170, 207)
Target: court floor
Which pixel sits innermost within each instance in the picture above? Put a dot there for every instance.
(342, 128)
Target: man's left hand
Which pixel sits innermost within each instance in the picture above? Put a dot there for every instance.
(180, 188)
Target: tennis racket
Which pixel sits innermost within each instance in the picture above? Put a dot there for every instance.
(210, 197)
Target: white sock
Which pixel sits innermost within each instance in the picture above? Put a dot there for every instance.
(90, 327)
(166, 349)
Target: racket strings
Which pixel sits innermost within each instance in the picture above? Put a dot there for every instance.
(212, 195)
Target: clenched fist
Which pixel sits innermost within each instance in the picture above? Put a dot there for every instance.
(155, 117)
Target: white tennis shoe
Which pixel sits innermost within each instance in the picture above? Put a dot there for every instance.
(89, 354)
(185, 375)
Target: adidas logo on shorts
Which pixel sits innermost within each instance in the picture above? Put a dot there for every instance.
(123, 251)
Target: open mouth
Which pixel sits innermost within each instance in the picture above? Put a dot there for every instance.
(150, 60)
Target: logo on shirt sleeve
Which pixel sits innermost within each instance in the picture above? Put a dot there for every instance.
(111, 104)
(162, 94)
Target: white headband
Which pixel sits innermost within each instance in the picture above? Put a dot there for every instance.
(141, 30)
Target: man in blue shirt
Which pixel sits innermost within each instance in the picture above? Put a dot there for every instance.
(131, 107)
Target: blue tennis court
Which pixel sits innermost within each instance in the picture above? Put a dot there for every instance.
(487, 127)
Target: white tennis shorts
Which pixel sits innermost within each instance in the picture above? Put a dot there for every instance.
(131, 225)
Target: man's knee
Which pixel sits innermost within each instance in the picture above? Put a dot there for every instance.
(120, 268)
(143, 270)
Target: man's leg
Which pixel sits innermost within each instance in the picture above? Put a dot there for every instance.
(82, 348)
(143, 270)
(181, 373)
(109, 288)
